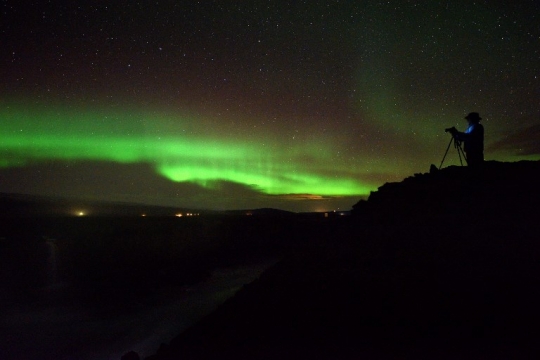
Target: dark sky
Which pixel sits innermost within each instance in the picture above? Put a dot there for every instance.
(300, 105)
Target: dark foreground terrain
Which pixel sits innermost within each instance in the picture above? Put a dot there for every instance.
(90, 287)
(443, 265)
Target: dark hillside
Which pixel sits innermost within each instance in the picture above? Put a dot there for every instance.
(443, 265)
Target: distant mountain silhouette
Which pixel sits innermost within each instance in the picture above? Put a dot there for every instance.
(261, 212)
(35, 205)
(443, 265)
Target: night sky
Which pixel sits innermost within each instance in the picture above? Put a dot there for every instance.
(297, 105)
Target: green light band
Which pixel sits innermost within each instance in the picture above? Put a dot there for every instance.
(199, 157)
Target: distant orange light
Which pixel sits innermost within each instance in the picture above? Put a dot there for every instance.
(179, 215)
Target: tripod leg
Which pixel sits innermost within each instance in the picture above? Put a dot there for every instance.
(464, 155)
(457, 144)
(444, 157)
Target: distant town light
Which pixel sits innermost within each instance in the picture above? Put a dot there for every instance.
(186, 214)
(81, 213)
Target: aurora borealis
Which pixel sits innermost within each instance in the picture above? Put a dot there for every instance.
(303, 106)
(180, 158)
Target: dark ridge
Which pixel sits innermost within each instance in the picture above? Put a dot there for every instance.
(443, 265)
(456, 192)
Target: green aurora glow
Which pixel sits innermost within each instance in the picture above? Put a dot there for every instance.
(39, 135)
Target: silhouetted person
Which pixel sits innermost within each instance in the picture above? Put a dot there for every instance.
(473, 138)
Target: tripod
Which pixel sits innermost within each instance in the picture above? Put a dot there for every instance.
(457, 145)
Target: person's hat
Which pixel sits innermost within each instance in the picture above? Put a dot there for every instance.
(473, 116)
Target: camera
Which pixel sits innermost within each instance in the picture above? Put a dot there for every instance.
(451, 130)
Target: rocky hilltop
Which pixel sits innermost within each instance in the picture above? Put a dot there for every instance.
(443, 265)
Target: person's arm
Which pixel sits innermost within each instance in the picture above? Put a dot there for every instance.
(477, 132)
(461, 136)
(458, 135)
